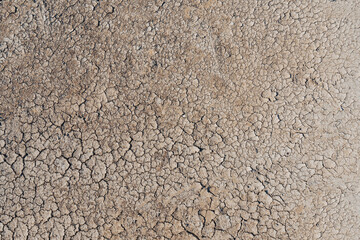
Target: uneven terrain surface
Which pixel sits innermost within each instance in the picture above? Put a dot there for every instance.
(186, 119)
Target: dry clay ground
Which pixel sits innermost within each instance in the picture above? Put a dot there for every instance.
(184, 119)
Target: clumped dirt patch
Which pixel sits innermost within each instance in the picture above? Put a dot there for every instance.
(179, 119)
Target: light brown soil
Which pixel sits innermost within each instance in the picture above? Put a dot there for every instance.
(184, 119)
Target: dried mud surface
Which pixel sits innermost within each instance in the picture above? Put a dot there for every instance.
(179, 119)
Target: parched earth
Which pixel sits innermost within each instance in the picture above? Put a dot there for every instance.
(186, 119)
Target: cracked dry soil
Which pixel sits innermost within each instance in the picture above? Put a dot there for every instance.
(186, 119)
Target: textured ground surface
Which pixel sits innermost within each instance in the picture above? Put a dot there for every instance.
(179, 119)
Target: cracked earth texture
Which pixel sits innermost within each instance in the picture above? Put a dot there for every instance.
(184, 119)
